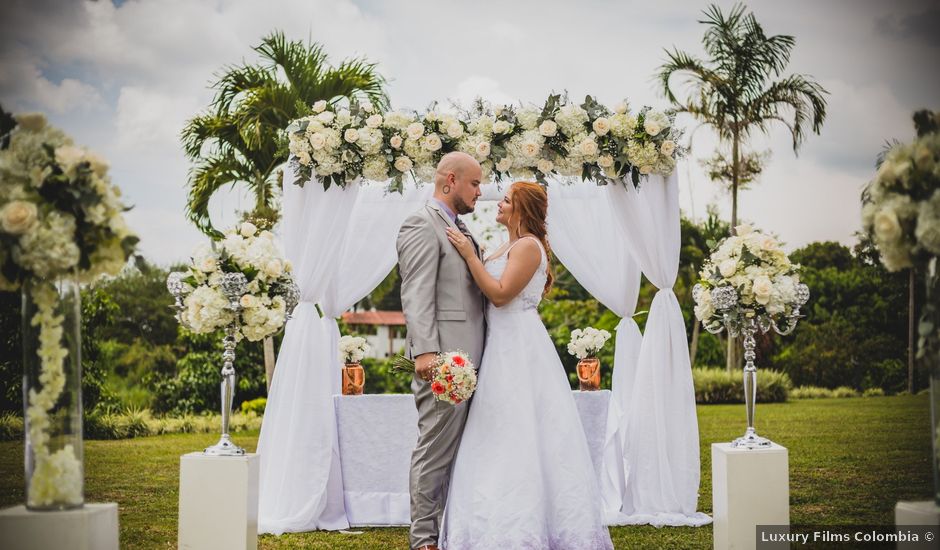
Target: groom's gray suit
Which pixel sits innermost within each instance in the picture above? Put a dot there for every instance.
(444, 311)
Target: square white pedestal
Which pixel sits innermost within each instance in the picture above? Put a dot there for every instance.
(91, 527)
(749, 488)
(218, 502)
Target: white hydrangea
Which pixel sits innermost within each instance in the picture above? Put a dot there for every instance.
(572, 119)
(352, 349)
(587, 342)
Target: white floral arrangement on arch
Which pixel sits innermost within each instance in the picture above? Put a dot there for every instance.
(60, 218)
(763, 284)
(338, 145)
(352, 349)
(266, 301)
(902, 203)
(588, 342)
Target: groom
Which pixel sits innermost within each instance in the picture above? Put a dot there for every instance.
(444, 311)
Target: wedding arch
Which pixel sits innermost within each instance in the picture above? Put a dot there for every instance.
(354, 177)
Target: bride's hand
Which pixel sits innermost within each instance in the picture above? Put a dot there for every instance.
(461, 243)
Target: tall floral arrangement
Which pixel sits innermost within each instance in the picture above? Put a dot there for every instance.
(559, 138)
(264, 303)
(61, 218)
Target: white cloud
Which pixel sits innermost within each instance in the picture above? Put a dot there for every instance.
(146, 119)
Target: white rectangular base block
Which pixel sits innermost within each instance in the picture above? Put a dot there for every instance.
(218, 502)
(749, 488)
(91, 527)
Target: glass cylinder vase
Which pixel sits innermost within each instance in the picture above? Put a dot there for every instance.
(52, 394)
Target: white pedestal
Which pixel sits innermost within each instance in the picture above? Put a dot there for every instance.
(749, 488)
(218, 502)
(91, 527)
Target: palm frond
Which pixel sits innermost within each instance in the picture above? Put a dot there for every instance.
(802, 96)
(206, 178)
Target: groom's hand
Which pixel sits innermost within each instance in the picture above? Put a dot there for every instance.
(423, 364)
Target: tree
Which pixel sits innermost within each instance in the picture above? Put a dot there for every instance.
(733, 92)
(243, 128)
(239, 139)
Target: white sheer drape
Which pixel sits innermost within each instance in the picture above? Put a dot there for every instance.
(591, 244)
(661, 442)
(342, 244)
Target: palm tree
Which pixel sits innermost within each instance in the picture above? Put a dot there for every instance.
(733, 92)
(239, 139)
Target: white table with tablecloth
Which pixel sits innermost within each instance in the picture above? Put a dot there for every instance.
(377, 434)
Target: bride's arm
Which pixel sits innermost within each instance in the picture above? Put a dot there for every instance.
(522, 262)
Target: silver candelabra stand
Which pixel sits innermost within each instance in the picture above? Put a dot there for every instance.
(234, 286)
(737, 319)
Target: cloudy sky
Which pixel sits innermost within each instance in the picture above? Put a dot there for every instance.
(123, 77)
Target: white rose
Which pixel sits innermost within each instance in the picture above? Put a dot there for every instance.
(728, 267)
(887, 227)
(668, 147)
(588, 147)
(605, 161)
(762, 289)
(545, 166)
(483, 149)
(652, 127)
(68, 155)
(454, 130)
(351, 135)
(504, 164)
(395, 142)
(415, 130)
(601, 126)
(403, 164)
(432, 142)
(208, 264)
(367, 107)
(768, 243)
(319, 106)
(326, 117)
(621, 108)
(548, 128)
(18, 217)
(646, 169)
(374, 121)
(743, 230)
(531, 149)
(501, 127)
(273, 269)
(317, 141)
(247, 229)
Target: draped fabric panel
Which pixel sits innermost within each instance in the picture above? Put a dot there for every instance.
(661, 440)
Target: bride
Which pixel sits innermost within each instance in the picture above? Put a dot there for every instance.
(523, 476)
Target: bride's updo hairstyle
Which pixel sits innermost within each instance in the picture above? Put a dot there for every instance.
(529, 210)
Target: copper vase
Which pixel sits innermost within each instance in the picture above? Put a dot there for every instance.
(354, 378)
(589, 374)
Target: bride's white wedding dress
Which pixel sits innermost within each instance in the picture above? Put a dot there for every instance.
(523, 476)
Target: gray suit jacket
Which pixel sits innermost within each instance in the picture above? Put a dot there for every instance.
(444, 308)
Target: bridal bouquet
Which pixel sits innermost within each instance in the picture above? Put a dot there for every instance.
(588, 342)
(266, 299)
(748, 276)
(352, 349)
(453, 376)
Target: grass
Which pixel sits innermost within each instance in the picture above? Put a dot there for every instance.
(851, 460)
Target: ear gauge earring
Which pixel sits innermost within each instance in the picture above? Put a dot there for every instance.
(445, 189)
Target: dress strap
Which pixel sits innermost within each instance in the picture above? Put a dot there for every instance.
(534, 238)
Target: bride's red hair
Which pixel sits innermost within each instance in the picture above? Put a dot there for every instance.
(529, 211)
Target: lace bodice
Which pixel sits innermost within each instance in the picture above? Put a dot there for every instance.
(531, 295)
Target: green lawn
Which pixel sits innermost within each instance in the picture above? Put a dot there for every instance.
(850, 461)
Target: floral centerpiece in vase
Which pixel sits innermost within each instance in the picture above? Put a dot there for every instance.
(585, 345)
(748, 285)
(241, 284)
(902, 214)
(61, 224)
(352, 349)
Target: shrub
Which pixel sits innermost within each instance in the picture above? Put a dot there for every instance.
(844, 391)
(873, 392)
(811, 392)
(11, 426)
(255, 406)
(718, 386)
